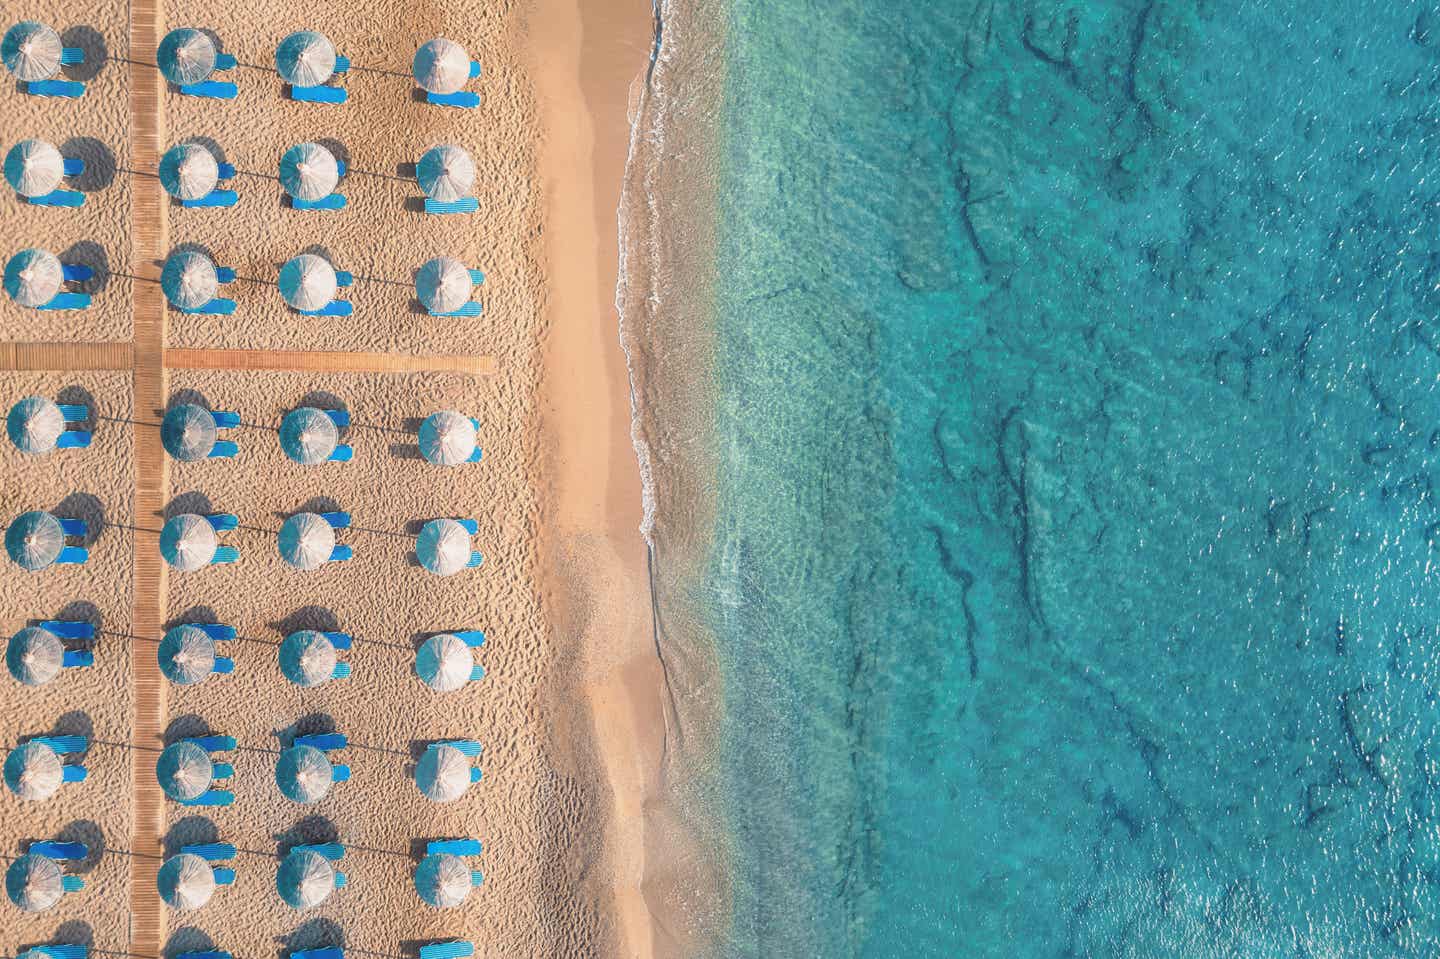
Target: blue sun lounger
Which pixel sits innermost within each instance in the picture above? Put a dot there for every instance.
(215, 198)
(223, 522)
(320, 94)
(214, 744)
(69, 628)
(67, 301)
(70, 198)
(54, 849)
(328, 952)
(457, 949)
(464, 99)
(72, 166)
(211, 90)
(468, 204)
(213, 797)
(454, 847)
(467, 747)
(211, 851)
(73, 658)
(325, 742)
(216, 307)
(333, 308)
(68, 89)
(473, 638)
(469, 309)
(73, 440)
(340, 641)
(63, 745)
(62, 951)
(339, 519)
(335, 201)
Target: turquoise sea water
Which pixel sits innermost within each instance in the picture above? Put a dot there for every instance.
(1074, 580)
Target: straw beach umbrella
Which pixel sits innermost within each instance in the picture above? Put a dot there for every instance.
(34, 656)
(188, 432)
(187, 655)
(34, 882)
(445, 173)
(34, 424)
(306, 541)
(189, 171)
(308, 282)
(34, 771)
(185, 771)
(307, 658)
(186, 56)
(189, 279)
(443, 284)
(308, 171)
(308, 436)
(441, 66)
(188, 542)
(443, 774)
(447, 438)
(304, 774)
(444, 663)
(305, 59)
(34, 167)
(443, 880)
(31, 51)
(33, 277)
(443, 547)
(186, 881)
(305, 879)
(34, 540)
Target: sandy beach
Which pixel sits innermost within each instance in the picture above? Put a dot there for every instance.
(560, 595)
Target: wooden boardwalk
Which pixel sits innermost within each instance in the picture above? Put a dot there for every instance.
(148, 230)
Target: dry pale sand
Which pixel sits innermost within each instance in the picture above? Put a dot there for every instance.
(93, 485)
(94, 128)
(560, 594)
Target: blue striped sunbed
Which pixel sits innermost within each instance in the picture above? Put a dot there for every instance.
(332, 851)
(320, 94)
(211, 851)
(454, 847)
(64, 745)
(68, 628)
(211, 89)
(72, 56)
(458, 949)
(467, 747)
(215, 198)
(469, 309)
(216, 307)
(68, 89)
(324, 742)
(70, 198)
(67, 301)
(468, 204)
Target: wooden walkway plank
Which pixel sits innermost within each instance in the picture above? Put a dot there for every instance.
(148, 230)
(326, 362)
(66, 356)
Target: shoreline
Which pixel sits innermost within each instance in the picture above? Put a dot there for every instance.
(610, 727)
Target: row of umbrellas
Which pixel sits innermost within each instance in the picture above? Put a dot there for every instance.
(189, 171)
(190, 280)
(31, 51)
(188, 655)
(306, 877)
(304, 773)
(307, 282)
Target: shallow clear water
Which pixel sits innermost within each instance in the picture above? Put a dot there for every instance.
(1076, 433)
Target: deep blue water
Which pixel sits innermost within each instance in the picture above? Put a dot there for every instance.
(1074, 578)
